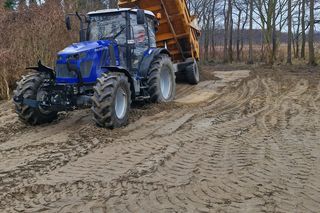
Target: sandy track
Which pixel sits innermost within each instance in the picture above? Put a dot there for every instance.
(237, 144)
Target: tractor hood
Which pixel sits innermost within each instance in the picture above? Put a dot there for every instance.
(84, 47)
(85, 61)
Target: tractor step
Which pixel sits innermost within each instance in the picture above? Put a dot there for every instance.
(142, 98)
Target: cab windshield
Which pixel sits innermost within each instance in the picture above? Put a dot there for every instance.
(107, 26)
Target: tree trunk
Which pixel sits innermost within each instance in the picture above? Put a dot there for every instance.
(274, 37)
(303, 26)
(226, 27)
(250, 60)
(267, 26)
(243, 28)
(206, 22)
(269, 32)
(297, 36)
(230, 53)
(289, 58)
(213, 30)
(238, 35)
(294, 43)
(312, 60)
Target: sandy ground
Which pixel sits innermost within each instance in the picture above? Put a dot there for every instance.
(244, 142)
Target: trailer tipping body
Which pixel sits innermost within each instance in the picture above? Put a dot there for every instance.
(178, 30)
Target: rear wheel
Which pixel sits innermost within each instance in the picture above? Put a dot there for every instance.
(30, 88)
(111, 100)
(192, 73)
(161, 79)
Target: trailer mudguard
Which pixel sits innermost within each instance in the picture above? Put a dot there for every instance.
(148, 58)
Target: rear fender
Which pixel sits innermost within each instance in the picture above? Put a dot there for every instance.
(148, 58)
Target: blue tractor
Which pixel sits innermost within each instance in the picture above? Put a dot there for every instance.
(115, 62)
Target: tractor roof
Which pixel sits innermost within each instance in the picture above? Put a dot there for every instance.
(118, 10)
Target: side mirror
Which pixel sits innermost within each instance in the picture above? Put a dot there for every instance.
(141, 17)
(68, 23)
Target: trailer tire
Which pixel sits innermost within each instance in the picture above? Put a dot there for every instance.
(28, 88)
(192, 73)
(161, 79)
(111, 100)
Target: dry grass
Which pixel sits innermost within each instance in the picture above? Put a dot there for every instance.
(28, 35)
(34, 33)
(259, 55)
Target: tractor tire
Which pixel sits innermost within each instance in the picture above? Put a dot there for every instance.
(192, 73)
(111, 100)
(29, 88)
(162, 80)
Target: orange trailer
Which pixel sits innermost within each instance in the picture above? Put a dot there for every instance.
(178, 30)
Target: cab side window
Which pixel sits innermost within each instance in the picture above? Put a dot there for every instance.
(140, 36)
(152, 33)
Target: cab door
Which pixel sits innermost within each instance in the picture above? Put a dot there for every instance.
(140, 36)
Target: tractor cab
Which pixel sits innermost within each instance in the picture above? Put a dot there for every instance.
(132, 29)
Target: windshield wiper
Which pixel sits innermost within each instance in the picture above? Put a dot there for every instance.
(119, 33)
(116, 35)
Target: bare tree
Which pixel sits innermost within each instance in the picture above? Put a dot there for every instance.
(213, 12)
(250, 60)
(289, 56)
(269, 19)
(230, 28)
(312, 60)
(206, 25)
(226, 27)
(266, 10)
(296, 39)
(242, 7)
(274, 36)
(303, 26)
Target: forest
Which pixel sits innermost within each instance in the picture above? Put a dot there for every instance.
(244, 31)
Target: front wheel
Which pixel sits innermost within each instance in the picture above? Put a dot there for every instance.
(161, 80)
(111, 100)
(30, 87)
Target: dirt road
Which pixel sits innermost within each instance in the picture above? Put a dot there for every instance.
(243, 142)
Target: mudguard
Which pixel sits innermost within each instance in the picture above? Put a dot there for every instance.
(44, 69)
(147, 60)
(124, 71)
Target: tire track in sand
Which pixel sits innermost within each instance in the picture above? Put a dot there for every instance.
(253, 149)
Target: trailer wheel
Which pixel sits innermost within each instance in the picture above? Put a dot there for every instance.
(30, 88)
(192, 73)
(111, 100)
(161, 80)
